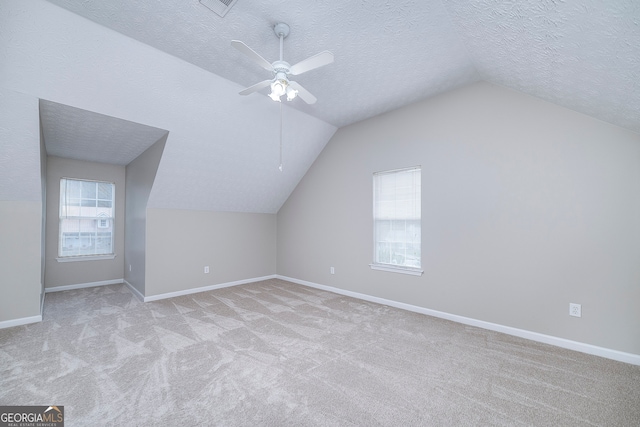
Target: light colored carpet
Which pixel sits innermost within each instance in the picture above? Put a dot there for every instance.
(276, 353)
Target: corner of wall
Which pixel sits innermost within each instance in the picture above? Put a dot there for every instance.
(139, 180)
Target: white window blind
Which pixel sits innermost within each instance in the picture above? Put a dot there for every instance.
(86, 218)
(397, 219)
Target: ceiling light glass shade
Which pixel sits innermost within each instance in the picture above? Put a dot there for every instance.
(274, 97)
(291, 93)
(278, 88)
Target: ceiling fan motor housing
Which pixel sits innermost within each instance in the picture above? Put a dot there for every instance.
(281, 67)
(281, 29)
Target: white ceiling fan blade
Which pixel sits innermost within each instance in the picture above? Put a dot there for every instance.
(304, 94)
(256, 87)
(311, 63)
(252, 54)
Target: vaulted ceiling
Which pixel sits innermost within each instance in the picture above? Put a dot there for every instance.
(152, 66)
(584, 55)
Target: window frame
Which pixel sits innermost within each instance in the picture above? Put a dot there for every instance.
(96, 232)
(390, 267)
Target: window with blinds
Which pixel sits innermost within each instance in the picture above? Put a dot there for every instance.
(397, 220)
(86, 218)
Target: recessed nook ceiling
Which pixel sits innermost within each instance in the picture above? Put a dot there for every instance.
(83, 135)
(582, 55)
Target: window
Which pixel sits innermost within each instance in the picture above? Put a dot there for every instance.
(86, 218)
(396, 221)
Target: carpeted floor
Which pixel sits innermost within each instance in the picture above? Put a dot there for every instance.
(276, 353)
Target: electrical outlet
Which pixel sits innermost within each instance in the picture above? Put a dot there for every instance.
(333, 270)
(575, 310)
(206, 269)
(129, 267)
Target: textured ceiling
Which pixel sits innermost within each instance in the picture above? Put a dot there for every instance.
(387, 53)
(222, 150)
(75, 133)
(583, 55)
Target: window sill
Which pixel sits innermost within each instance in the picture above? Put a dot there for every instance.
(397, 269)
(85, 258)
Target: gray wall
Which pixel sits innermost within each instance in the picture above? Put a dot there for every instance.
(19, 259)
(20, 207)
(140, 174)
(82, 272)
(236, 246)
(526, 207)
(43, 220)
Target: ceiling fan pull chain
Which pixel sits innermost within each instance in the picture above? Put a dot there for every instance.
(280, 167)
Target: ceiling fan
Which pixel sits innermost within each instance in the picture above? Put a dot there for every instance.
(280, 83)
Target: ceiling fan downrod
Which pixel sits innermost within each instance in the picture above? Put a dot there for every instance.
(282, 30)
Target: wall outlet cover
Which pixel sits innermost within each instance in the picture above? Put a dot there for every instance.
(575, 310)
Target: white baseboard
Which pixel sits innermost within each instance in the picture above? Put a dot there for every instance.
(21, 321)
(206, 288)
(134, 291)
(83, 285)
(43, 295)
(620, 356)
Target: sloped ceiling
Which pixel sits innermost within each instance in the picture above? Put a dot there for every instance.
(584, 55)
(222, 151)
(169, 65)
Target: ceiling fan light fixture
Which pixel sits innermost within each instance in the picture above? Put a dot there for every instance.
(291, 93)
(278, 88)
(274, 97)
(280, 84)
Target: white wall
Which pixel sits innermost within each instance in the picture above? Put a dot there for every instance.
(526, 207)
